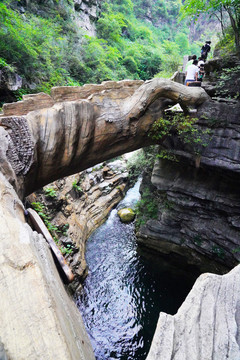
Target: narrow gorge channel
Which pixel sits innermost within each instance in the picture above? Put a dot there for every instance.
(126, 289)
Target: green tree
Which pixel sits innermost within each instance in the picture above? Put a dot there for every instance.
(181, 40)
(194, 8)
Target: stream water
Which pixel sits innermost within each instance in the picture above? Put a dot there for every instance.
(126, 289)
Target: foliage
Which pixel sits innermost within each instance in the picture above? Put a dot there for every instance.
(66, 250)
(160, 10)
(42, 212)
(45, 46)
(198, 240)
(172, 57)
(64, 228)
(76, 186)
(224, 85)
(218, 251)
(184, 127)
(141, 160)
(4, 64)
(146, 208)
(50, 192)
(53, 229)
(226, 45)
(194, 8)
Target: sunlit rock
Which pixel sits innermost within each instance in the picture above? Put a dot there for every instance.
(126, 214)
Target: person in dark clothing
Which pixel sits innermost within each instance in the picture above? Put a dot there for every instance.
(205, 50)
(201, 73)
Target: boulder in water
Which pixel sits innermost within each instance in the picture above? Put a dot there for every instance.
(126, 214)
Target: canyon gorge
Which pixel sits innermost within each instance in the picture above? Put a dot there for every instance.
(47, 137)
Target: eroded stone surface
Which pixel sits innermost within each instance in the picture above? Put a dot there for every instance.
(83, 207)
(206, 326)
(29, 103)
(200, 208)
(38, 319)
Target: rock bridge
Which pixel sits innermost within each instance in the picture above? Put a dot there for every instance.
(50, 137)
(44, 138)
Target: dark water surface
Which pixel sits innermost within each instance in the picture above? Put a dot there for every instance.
(126, 289)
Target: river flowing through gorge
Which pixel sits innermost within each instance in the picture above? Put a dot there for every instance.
(126, 288)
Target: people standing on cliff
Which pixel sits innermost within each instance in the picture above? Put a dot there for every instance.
(205, 50)
(192, 72)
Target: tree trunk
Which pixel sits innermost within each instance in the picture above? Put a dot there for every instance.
(235, 23)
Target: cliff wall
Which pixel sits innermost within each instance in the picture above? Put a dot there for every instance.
(199, 219)
(199, 206)
(38, 318)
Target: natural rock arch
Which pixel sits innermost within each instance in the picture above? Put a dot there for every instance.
(64, 137)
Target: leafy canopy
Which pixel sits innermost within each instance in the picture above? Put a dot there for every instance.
(194, 8)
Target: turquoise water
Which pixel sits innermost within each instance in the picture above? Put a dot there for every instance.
(126, 289)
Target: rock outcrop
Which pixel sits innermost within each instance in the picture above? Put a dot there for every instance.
(80, 204)
(9, 80)
(71, 136)
(126, 215)
(206, 326)
(86, 14)
(201, 210)
(38, 319)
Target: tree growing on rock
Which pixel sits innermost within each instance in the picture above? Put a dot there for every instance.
(194, 8)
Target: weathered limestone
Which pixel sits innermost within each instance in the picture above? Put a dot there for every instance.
(29, 103)
(38, 319)
(83, 210)
(201, 215)
(122, 89)
(86, 14)
(206, 326)
(72, 136)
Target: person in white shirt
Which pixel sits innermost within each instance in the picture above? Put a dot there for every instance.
(200, 62)
(192, 72)
(190, 61)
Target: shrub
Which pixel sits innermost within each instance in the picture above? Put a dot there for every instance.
(146, 208)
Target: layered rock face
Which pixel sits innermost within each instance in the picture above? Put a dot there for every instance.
(199, 213)
(86, 14)
(82, 203)
(200, 209)
(207, 324)
(38, 319)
